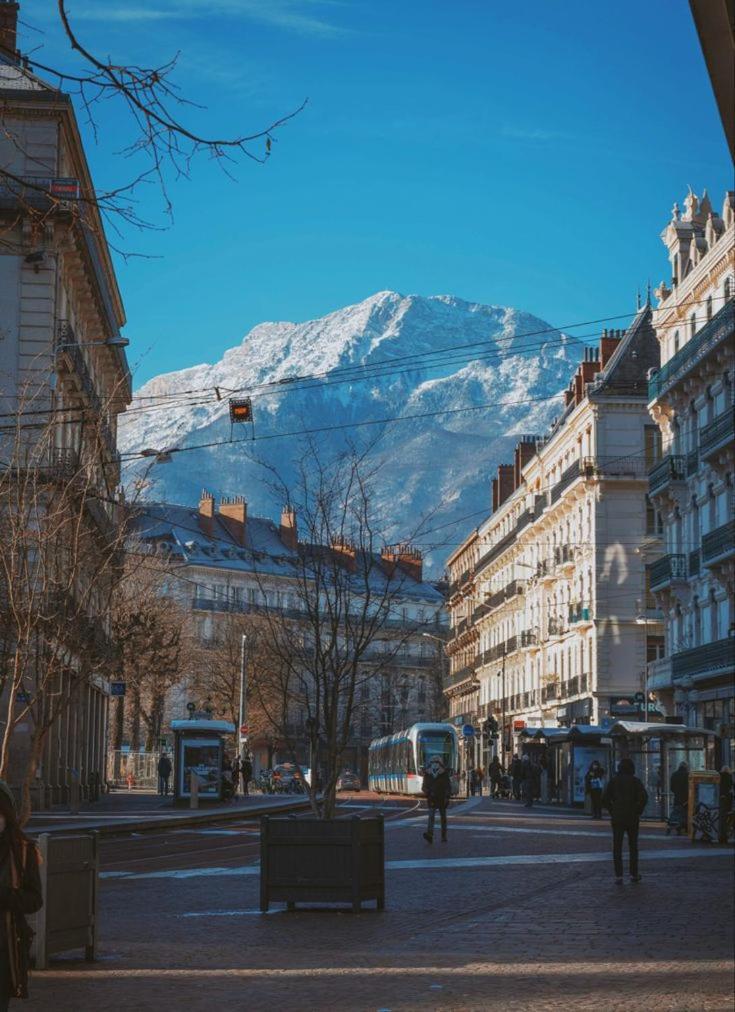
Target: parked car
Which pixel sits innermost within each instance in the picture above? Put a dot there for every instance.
(348, 781)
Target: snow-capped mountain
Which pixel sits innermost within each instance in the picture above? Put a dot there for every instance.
(390, 355)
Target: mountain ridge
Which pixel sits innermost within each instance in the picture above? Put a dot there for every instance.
(389, 356)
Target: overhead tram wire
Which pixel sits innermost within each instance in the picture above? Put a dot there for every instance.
(279, 387)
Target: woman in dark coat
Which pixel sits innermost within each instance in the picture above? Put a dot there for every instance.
(436, 788)
(594, 782)
(20, 894)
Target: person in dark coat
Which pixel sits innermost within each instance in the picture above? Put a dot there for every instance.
(164, 774)
(495, 775)
(436, 788)
(246, 772)
(725, 802)
(20, 894)
(625, 798)
(516, 771)
(679, 786)
(594, 782)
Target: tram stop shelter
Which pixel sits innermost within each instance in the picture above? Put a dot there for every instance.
(570, 751)
(656, 750)
(199, 748)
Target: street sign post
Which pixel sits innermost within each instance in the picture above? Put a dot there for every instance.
(468, 731)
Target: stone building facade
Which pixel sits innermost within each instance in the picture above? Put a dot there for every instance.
(691, 399)
(551, 619)
(61, 354)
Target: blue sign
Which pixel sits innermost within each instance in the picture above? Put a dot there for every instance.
(117, 688)
(468, 731)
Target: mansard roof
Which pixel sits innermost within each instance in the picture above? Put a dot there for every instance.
(626, 373)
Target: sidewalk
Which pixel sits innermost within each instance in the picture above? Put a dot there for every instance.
(142, 811)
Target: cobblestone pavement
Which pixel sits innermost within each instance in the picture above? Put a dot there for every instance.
(517, 910)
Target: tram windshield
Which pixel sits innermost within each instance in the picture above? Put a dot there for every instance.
(436, 743)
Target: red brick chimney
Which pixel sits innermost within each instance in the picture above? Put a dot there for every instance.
(233, 511)
(8, 26)
(288, 530)
(206, 513)
(608, 343)
(502, 485)
(523, 453)
(408, 559)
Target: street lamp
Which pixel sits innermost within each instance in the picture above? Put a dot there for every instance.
(641, 550)
(242, 736)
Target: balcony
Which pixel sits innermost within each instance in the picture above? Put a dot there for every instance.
(706, 661)
(579, 615)
(496, 550)
(523, 520)
(668, 470)
(549, 692)
(568, 477)
(631, 466)
(564, 555)
(545, 571)
(667, 570)
(714, 333)
(529, 638)
(692, 462)
(719, 545)
(717, 435)
(556, 627)
(456, 678)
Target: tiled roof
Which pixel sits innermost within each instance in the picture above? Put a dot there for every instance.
(263, 551)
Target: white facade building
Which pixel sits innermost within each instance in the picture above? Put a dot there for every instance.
(548, 602)
(691, 398)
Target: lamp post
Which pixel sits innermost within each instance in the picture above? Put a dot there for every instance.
(501, 673)
(641, 550)
(243, 692)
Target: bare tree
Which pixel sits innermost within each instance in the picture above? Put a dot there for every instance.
(345, 588)
(162, 145)
(61, 552)
(152, 633)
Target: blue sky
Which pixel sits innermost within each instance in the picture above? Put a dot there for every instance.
(516, 154)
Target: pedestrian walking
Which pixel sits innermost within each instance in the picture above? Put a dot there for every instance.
(436, 788)
(495, 775)
(164, 774)
(246, 772)
(625, 798)
(20, 894)
(725, 803)
(679, 786)
(516, 770)
(527, 781)
(594, 783)
(480, 779)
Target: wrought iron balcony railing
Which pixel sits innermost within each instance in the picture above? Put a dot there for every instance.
(666, 571)
(668, 470)
(719, 545)
(719, 329)
(717, 435)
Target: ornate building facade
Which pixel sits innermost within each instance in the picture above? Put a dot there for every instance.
(551, 619)
(691, 399)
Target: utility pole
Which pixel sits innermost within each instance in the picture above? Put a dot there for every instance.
(502, 708)
(243, 691)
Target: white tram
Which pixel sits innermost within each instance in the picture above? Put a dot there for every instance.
(396, 763)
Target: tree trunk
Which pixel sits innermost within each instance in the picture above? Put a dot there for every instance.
(135, 720)
(118, 724)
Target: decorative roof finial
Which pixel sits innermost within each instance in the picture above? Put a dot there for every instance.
(637, 299)
(675, 212)
(648, 294)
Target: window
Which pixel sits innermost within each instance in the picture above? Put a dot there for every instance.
(692, 324)
(727, 289)
(676, 342)
(709, 308)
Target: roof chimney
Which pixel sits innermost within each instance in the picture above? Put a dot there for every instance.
(206, 513)
(8, 26)
(406, 558)
(288, 530)
(502, 485)
(608, 343)
(233, 511)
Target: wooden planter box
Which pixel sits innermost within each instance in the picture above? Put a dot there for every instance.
(313, 861)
